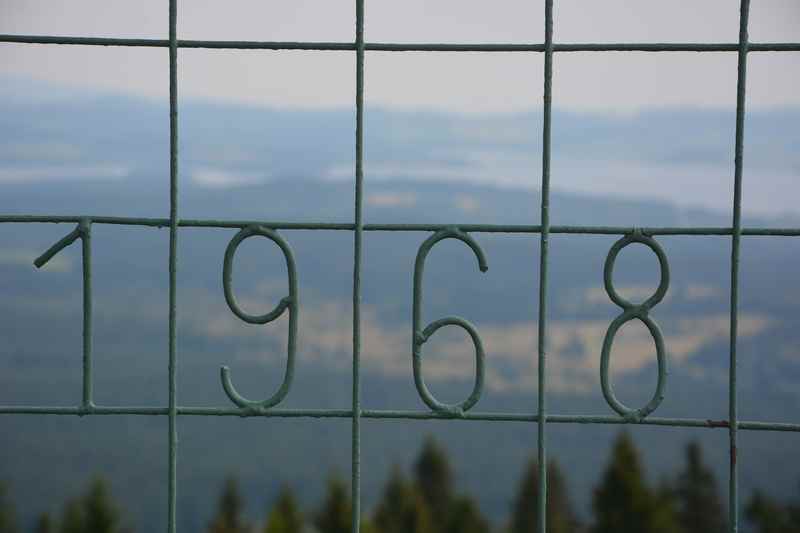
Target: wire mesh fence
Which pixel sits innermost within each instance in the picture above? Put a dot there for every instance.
(421, 333)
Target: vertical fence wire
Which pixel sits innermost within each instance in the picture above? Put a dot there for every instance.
(741, 82)
(357, 237)
(543, 252)
(173, 260)
(86, 253)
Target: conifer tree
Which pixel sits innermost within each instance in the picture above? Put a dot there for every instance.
(93, 512)
(793, 512)
(525, 513)
(284, 517)
(766, 514)
(43, 524)
(101, 513)
(8, 519)
(699, 504)
(665, 509)
(402, 508)
(466, 517)
(228, 518)
(335, 515)
(72, 519)
(770, 516)
(434, 478)
(623, 503)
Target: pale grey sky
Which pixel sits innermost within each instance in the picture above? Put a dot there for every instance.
(609, 82)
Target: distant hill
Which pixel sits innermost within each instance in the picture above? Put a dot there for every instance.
(247, 164)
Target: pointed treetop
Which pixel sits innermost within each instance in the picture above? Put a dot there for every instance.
(44, 524)
(623, 502)
(402, 508)
(228, 518)
(335, 515)
(434, 478)
(525, 512)
(700, 507)
(285, 516)
(8, 520)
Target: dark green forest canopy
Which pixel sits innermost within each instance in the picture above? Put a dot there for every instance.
(429, 502)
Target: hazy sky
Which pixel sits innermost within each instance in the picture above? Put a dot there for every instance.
(612, 82)
(606, 83)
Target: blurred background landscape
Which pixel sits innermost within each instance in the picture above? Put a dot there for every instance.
(638, 140)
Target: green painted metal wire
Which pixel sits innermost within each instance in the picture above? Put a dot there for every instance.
(358, 229)
(420, 335)
(346, 226)
(544, 238)
(402, 47)
(290, 303)
(84, 233)
(393, 414)
(632, 311)
(741, 85)
(172, 481)
(438, 411)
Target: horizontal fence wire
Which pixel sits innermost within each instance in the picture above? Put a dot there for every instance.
(347, 226)
(401, 47)
(393, 414)
(438, 411)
